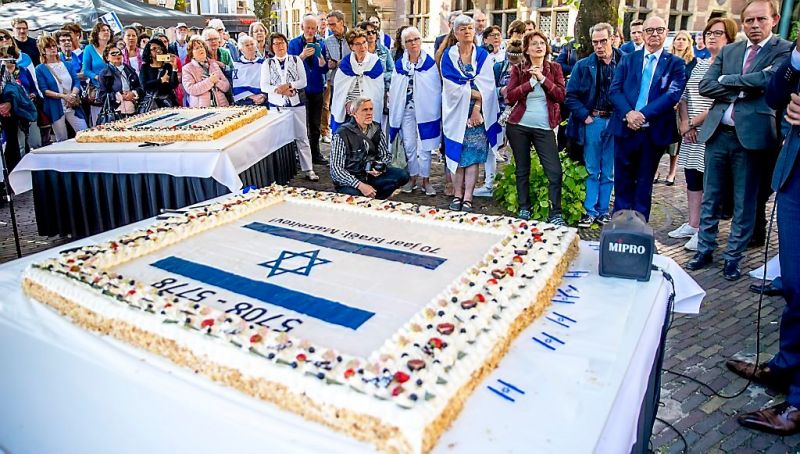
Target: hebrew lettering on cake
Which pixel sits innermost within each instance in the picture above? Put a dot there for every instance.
(506, 390)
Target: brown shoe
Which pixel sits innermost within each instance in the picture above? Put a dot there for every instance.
(782, 419)
(761, 374)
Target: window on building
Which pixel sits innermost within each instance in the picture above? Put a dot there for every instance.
(464, 5)
(296, 22)
(222, 7)
(546, 23)
(679, 15)
(504, 12)
(418, 15)
(205, 7)
(242, 8)
(562, 24)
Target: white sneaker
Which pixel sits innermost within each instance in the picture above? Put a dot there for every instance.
(407, 188)
(691, 245)
(326, 139)
(311, 175)
(684, 231)
(482, 192)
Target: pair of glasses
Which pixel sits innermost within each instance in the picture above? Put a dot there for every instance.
(114, 54)
(659, 30)
(600, 42)
(714, 33)
(372, 33)
(413, 40)
(495, 35)
(5, 38)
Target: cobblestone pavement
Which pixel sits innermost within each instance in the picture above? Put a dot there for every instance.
(697, 345)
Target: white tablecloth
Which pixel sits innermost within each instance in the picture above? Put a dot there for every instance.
(222, 159)
(66, 390)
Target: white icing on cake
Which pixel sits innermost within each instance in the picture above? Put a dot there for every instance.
(408, 380)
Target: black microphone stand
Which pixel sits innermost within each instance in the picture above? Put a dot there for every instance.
(9, 197)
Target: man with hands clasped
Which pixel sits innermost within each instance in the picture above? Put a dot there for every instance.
(647, 85)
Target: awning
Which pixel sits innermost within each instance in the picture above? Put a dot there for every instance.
(52, 14)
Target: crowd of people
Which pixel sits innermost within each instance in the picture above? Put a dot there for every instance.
(709, 101)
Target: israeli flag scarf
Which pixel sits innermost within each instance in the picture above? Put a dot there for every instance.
(456, 97)
(370, 72)
(427, 99)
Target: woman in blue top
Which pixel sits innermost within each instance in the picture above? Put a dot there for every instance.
(93, 63)
(61, 88)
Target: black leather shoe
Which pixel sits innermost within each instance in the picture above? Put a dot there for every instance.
(699, 261)
(731, 270)
(768, 289)
(319, 160)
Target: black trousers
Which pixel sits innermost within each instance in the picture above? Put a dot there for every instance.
(313, 120)
(11, 153)
(521, 138)
(385, 184)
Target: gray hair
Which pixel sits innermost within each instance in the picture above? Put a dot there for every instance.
(452, 16)
(244, 39)
(357, 103)
(602, 26)
(208, 32)
(310, 17)
(406, 32)
(462, 20)
(337, 14)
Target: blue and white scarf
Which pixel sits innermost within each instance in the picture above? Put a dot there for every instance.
(427, 99)
(246, 77)
(456, 99)
(370, 75)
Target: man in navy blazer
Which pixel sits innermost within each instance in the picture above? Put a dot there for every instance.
(643, 121)
(637, 38)
(783, 371)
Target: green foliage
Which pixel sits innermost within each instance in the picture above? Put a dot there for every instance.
(794, 30)
(573, 189)
(262, 10)
(180, 5)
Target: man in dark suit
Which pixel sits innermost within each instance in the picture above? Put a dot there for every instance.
(637, 38)
(739, 132)
(646, 87)
(783, 371)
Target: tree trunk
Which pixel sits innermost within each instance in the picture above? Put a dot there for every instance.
(590, 13)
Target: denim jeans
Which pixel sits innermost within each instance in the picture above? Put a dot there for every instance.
(598, 152)
(384, 185)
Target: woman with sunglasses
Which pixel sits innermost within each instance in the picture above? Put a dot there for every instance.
(93, 61)
(24, 72)
(374, 46)
(119, 83)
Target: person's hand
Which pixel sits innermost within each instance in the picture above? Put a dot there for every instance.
(503, 92)
(128, 96)
(374, 173)
(367, 190)
(174, 61)
(5, 109)
(690, 136)
(258, 99)
(684, 127)
(793, 110)
(214, 78)
(589, 120)
(536, 71)
(165, 78)
(81, 76)
(635, 119)
(475, 119)
(285, 90)
(307, 52)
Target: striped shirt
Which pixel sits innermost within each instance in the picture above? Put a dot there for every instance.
(692, 155)
(337, 50)
(338, 158)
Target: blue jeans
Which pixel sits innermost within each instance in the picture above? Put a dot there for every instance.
(598, 150)
(787, 361)
(384, 185)
(725, 156)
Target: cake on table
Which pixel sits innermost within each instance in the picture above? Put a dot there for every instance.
(174, 124)
(375, 318)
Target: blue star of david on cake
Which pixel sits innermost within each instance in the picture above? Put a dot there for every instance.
(302, 262)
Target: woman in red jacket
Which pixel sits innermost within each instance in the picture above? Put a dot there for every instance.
(535, 89)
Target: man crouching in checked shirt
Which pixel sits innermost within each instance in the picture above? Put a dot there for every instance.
(360, 157)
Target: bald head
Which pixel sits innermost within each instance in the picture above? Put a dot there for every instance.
(310, 24)
(655, 33)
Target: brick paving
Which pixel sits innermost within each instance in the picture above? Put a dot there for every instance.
(697, 345)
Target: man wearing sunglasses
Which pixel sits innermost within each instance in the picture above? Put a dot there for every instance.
(741, 136)
(647, 85)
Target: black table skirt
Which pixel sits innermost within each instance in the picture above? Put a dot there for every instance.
(82, 204)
